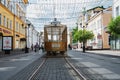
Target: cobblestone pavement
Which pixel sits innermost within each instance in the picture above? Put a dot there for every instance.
(56, 69)
(88, 73)
(13, 64)
(25, 73)
(53, 69)
(96, 67)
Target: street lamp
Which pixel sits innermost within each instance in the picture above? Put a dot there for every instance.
(32, 37)
(28, 41)
(26, 49)
(83, 35)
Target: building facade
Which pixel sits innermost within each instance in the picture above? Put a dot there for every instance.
(12, 21)
(98, 24)
(96, 20)
(33, 36)
(115, 43)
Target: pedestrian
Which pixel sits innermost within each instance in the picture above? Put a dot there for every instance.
(42, 47)
(32, 47)
(35, 48)
(69, 46)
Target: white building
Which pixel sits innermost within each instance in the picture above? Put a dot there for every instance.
(115, 43)
(33, 35)
(116, 8)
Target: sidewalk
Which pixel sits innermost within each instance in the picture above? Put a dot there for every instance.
(104, 52)
(14, 52)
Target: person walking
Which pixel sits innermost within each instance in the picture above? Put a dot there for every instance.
(32, 47)
(35, 48)
(42, 47)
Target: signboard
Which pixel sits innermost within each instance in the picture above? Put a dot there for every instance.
(55, 45)
(5, 31)
(7, 43)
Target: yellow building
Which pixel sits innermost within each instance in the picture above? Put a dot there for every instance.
(12, 21)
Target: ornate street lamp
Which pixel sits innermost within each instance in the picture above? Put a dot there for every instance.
(26, 47)
(83, 46)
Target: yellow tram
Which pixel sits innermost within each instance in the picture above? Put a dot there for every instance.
(55, 38)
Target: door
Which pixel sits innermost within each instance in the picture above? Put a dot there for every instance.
(0, 43)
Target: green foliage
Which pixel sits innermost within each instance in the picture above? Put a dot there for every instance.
(74, 31)
(114, 26)
(83, 35)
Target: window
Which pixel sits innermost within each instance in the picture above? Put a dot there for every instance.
(16, 26)
(10, 24)
(5, 2)
(7, 23)
(2, 1)
(117, 10)
(0, 19)
(4, 21)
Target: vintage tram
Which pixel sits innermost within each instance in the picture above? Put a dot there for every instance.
(55, 38)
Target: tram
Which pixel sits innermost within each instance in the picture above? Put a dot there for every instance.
(55, 38)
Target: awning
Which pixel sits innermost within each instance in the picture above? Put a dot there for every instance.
(1, 34)
(22, 39)
(17, 35)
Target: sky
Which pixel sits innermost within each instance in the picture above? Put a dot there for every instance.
(41, 12)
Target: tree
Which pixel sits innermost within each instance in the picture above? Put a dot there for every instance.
(114, 29)
(83, 36)
(114, 26)
(74, 31)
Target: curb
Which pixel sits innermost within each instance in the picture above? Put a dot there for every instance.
(109, 55)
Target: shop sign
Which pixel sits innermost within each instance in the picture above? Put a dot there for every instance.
(5, 31)
(7, 42)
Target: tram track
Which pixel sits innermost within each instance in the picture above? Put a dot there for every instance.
(35, 74)
(77, 71)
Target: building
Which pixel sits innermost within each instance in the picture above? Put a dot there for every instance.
(33, 36)
(96, 20)
(116, 8)
(98, 23)
(12, 21)
(115, 43)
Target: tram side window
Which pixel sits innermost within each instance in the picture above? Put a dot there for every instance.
(54, 37)
(49, 37)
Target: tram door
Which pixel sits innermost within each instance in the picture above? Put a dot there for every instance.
(0, 43)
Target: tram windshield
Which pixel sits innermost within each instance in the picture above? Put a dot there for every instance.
(54, 33)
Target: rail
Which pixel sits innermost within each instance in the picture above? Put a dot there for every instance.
(35, 72)
(77, 72)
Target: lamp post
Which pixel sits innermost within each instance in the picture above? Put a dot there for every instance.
(28, 41)
(26, 49)
(84, 25)
(84, 41)
(32, 37)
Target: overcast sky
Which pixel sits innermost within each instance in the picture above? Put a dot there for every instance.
(41, 12)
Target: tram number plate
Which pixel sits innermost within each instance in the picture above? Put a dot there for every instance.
(55, 45)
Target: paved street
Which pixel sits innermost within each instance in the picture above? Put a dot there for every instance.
(32, 29)
(93, 65)
(96, 63)
(11, 65)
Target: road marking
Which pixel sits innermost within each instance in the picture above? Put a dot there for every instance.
(6, 68)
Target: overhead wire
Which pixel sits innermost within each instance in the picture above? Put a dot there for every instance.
(48, 16)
